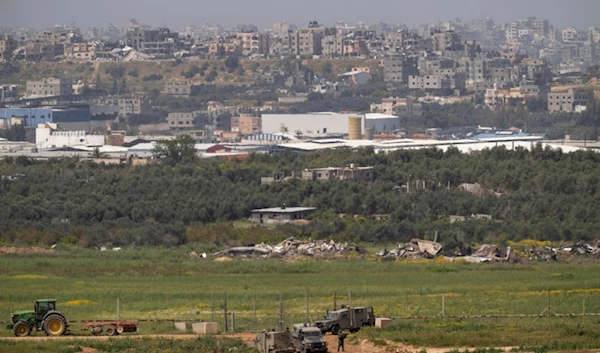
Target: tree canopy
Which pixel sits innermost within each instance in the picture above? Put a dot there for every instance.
(539, 194)
(181, 149)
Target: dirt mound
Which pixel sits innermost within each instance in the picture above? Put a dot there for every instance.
(31, 250)
(222, 259)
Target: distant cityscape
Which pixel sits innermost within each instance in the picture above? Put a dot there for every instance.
(481, 62)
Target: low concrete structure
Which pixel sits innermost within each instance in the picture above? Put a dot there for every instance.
(204, 328)
(180, 326)
(382, 322)
(343, 173)
(281, 214)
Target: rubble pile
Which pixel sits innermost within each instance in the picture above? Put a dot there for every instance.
(415, 249)
(549, 253)
(291, 248)
(484, 253)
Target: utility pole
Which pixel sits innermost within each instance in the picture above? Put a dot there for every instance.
(280, 311)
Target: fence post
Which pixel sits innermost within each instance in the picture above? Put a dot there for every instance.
(443, 312)
(233, 322)
(307, 320)
(280, 311)
(212, 307)
(225, 312)
(335, 301)
(255, 322)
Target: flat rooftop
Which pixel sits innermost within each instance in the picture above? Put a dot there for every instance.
(283, 210)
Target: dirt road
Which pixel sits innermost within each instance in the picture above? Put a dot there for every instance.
(352, 345)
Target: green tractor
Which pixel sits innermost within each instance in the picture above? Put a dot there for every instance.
(43, 317)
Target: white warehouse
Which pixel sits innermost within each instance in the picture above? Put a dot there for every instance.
(47, 136)
(382, 122)
(308, 124)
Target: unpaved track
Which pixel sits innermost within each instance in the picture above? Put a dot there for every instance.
(351, 345)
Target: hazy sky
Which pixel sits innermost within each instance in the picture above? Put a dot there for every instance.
(177, 13)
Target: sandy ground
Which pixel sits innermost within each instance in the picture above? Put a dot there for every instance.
(351, 345)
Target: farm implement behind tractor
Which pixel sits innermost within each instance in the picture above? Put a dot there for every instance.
(45, 317)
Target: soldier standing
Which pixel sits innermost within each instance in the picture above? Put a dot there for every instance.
(341, 338)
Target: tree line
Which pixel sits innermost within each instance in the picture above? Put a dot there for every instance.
(539, 194)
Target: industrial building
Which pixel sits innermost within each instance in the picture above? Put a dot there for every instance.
(380, 123)
(49, 136)
(309, 124)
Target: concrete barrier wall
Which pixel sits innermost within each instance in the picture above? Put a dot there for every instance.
(181, 326)
(205, 328)
(382, 322)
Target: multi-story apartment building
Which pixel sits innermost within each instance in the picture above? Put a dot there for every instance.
(137, 36)
(307, 41)
(401, 107)
(570, 35)
(332, 46)
(181, 121)
(246, 125)
(6, 43)
(254, 42)
(178, 88)
(397, 68)
(446, 41)
(408, 108)
(8, 93)
(133, 105)
(594, 35)
(151, 41)
(85, 51)
(572, 100)
(49, 87)
(437, 81)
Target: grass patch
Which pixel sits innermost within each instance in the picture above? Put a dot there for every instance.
(167, 284)
(206, 344)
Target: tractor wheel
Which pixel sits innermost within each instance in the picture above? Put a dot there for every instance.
(111, 330)
(120, 329)
(22, 329)
(55, 325)
(335, 329)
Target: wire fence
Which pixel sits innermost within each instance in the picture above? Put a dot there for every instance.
(254, 313)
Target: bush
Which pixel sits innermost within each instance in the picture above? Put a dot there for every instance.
(191, 72)
(153, 77)
(232, 62)
(212, 76)
(115, 71)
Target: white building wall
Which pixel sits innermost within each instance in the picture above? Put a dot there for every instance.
(383, 124)
(330, 123)
(46, 138)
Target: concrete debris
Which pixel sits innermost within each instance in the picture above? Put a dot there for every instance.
(416, 249)
(195, 255)
(484, 253)
(551, 254)
(291, 248)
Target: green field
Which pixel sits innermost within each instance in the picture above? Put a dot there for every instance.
(143, 345)
(167, 284)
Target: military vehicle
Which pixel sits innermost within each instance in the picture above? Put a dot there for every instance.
(308, 339)
(274, 342)
(43, 317)
(346, 318)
